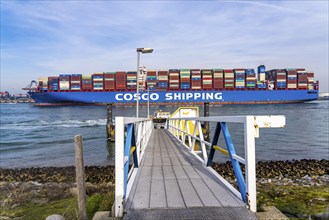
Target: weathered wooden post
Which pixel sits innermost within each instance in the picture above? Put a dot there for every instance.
(109, 125)
(80, 177)
(206, 124)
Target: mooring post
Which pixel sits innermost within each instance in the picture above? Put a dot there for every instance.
(80, 177)
(206, 124)
(109, 124)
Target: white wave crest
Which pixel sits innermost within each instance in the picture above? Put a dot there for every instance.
(31, 125)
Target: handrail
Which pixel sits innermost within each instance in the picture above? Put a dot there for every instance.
(138, 132)
(247, 186)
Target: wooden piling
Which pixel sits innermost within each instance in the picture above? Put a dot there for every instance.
(80, 174)
(109, 125)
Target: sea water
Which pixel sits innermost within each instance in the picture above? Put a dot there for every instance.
(32, 136)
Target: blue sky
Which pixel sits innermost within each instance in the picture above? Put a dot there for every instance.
(44, 38)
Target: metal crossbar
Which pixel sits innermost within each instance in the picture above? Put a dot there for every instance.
(131, 138)
(247, 185)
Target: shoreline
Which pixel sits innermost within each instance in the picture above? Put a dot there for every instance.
(94, 174)
(298, 188)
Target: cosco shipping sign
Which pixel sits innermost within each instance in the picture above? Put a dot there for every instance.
(169, 96)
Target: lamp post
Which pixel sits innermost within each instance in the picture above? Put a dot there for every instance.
(139, 50)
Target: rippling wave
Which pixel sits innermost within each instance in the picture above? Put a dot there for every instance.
(28, 125)
(32, 136)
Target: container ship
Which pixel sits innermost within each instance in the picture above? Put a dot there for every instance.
(178, 86)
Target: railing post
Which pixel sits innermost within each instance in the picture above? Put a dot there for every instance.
(181, 128)
(119, 166)
(203, 146)
(140, 133)
(194, 135)
(249, 146)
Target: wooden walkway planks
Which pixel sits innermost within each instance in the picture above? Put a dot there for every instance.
(171, 177)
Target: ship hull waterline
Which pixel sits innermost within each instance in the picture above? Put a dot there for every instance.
(216, 97)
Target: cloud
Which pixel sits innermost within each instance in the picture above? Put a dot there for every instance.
(49, 37)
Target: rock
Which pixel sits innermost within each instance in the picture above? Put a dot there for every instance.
(55, 217)
(104, 215)
(270, 212)
(74, 191)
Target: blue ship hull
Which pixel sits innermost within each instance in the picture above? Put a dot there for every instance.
(172, 97)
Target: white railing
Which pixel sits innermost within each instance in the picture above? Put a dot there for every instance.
(181, 128)
(131, 138)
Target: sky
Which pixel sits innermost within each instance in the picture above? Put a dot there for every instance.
(48, 38)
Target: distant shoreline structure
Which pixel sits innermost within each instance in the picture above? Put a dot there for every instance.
(323, 96)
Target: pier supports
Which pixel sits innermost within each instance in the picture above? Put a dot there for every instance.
(109, 125)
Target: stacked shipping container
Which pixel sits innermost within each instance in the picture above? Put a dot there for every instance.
(206, 79)
(151, 80)
(185, 79)
(228, 79)
(218, 77)
(162, 80)
(196, 79)
(120, 80)
(109, 81)
(87, 83)
(301, 79)
(310, 81)
(131, 80)
(98, 81)
(53, 84)
(76, 82)
(64, 82)
(291, 78)
(173, 79)
(240, 78)
(250, 79)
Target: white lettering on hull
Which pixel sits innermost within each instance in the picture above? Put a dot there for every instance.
(172, 96)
